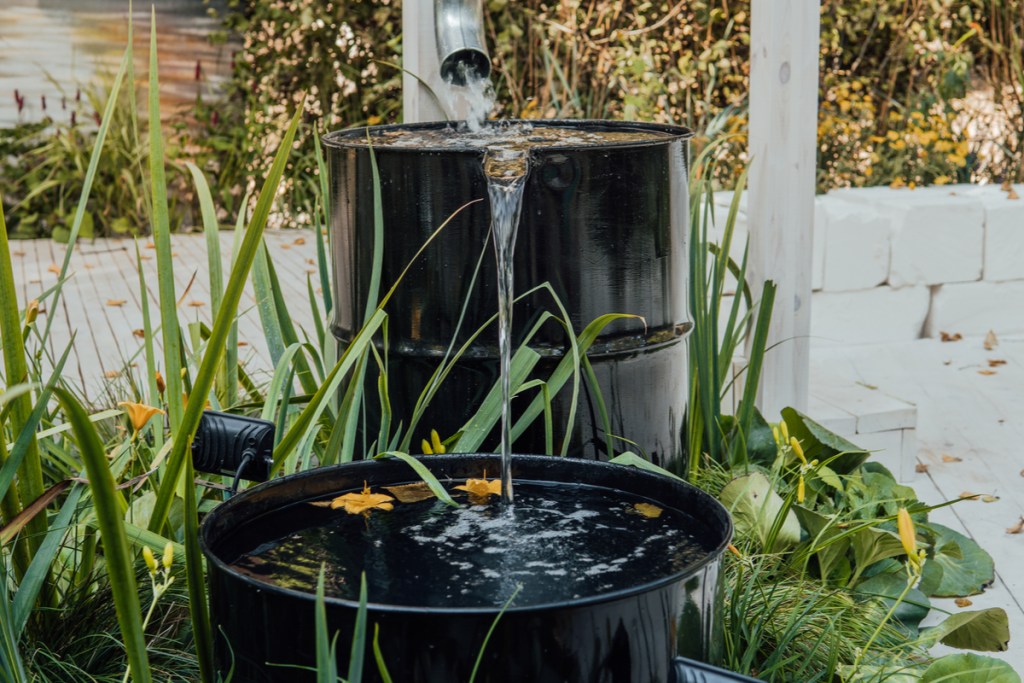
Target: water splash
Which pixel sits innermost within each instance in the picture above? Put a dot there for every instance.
(476, 98)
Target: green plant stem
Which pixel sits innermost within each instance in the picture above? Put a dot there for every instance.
(158, 591)
(881, 624)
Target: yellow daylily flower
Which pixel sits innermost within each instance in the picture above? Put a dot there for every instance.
(481, 489)
(355, 503)
(139, 414)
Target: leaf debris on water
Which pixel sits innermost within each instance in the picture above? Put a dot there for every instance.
(481, 489)
(648, 510)
(411, 493)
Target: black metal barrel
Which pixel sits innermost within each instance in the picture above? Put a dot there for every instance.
(265, 631)
(604, 225)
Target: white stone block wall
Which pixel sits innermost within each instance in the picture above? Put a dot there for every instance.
(898, 264)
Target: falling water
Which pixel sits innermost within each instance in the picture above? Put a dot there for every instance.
(474, 100)
(506, 169)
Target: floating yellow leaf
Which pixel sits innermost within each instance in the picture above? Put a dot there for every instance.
(648, 510)
(139, 414)
(411, 493)
(116, 302)
(364, 501)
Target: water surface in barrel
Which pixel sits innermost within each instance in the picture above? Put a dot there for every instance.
(558, 542)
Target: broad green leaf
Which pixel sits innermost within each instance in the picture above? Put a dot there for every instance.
(633, 460)
(912, 609)
(969, 668)
(831, 554)
(755, 507)
(966, 568)
(872, 545)
(986, 630)
(821, 444)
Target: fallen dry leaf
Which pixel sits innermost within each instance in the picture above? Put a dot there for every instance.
(311, 271)
(144, 257)
(150, 245)
(17, 253)
(174, 254)
(89, 266)
(299, 240)
(1016, 528)
(950, 337)
(140, 333)
(54, 268)
(921, 468)
(111, 374)
(1012, 194)
(1006, 186)
(989, 498)
(987, 373)
(116, 302)
(996, 362)
(967, 495)
(364, 501)
(648, 510)
(243, 343)
(948, 362)
(285, 247)
(196, 304)
(411, 493)
(963, 602)
(951, 458)
(991, 341)
(310, 262)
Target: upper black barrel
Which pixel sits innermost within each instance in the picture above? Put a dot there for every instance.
(605, 226)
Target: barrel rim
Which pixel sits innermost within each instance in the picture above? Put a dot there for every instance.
(715, 517)
(355, 138)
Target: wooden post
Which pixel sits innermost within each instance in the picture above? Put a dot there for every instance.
(419, 56)
(784, 49)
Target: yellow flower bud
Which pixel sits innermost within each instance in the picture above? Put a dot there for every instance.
(785, 431)
(908, 537)
(168, 555)
(147, 555)
(801, 490)
(435, 441)
(775, 434)
(425, 447)
(31, 312)
(161, 385)
(797, 449)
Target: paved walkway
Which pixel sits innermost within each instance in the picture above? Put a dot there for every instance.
(969, 404)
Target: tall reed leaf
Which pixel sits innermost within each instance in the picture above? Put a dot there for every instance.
(116, 551)
(162, 240)
(30, 479)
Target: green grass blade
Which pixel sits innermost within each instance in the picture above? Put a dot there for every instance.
(288, 334)
(326, 661)
(39, 571)
(281, 373)
(211, 232)
(265, 305)
(355, 661)
(382, 668)
(12, 665)
(30, 472)
(307, 420)
(116, 551)
(148, 347)
(487, 415)
(423, 473)
(745, 413)
(373, 292)
(162, 241)
(490, 631)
